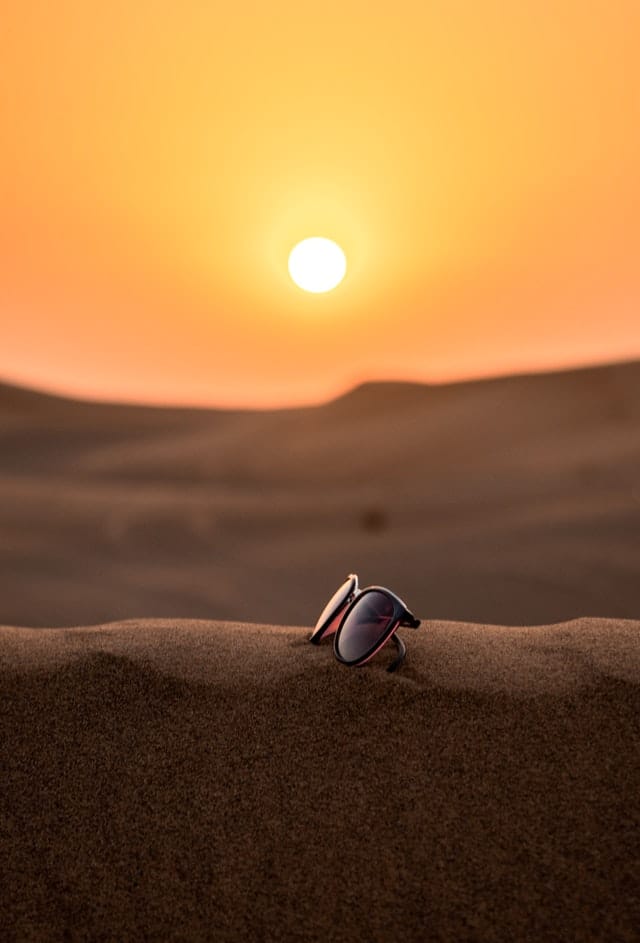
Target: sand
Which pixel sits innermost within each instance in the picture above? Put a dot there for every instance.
(514, 501)
(197, 780)
(170, 779)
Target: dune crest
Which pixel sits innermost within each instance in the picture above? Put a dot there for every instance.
(521, 660)
(514, 500)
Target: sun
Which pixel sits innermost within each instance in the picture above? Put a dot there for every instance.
(317, 264)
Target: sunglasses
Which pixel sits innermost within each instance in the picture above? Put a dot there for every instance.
(363, 620)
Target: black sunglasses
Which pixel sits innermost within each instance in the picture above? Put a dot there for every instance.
(363, 621)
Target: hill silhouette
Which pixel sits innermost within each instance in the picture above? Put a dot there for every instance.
(514, 499)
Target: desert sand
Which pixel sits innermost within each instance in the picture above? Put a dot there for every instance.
(170, 777)
(196, 780)
(513, 501)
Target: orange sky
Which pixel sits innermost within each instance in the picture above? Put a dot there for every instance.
(478, 162)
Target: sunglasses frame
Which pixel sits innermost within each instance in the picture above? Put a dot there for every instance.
(337, 616)
(402, 616)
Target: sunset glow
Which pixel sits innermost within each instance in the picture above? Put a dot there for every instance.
(476, 162)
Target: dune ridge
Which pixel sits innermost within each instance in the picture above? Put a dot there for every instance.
(511, 500)
(201, 780)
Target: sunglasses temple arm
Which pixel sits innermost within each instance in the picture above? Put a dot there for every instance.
(409, 621)
(402, 651)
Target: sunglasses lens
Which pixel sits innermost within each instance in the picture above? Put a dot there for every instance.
(368, 622)
(335, 606)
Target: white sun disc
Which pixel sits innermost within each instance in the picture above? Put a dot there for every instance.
(317, 264)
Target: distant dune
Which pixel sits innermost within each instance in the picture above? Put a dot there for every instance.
(177, 780)
(510, 500)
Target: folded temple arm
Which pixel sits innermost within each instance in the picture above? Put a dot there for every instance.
(402, 651)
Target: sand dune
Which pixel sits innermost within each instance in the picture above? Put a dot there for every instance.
(201, 780)
(511, 500)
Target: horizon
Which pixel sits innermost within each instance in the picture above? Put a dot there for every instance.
(57, 393)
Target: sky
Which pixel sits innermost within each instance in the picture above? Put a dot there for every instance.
(477, 161)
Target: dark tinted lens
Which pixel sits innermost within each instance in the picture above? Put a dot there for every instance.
(368, 621)
(336, 602)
